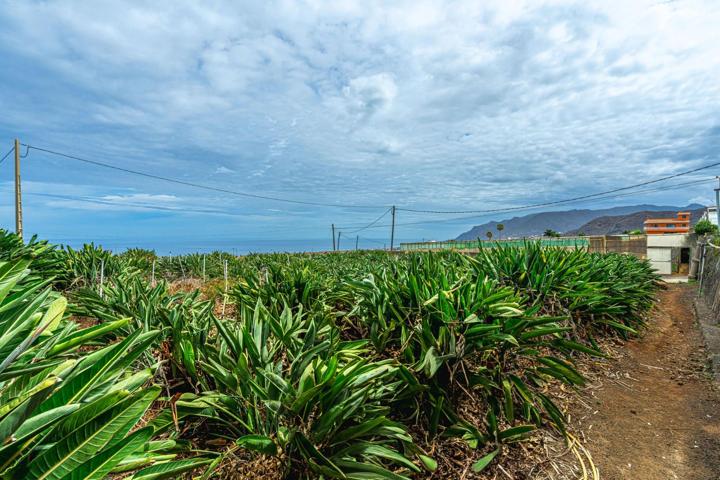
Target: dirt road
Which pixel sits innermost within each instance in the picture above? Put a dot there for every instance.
(656, 416)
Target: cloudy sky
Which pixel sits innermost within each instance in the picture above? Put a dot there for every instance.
(448, 106)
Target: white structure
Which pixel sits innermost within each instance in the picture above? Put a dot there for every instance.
(710, 214)
(671, 253)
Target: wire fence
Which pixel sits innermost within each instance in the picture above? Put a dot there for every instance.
(629, 244)
(579, 242)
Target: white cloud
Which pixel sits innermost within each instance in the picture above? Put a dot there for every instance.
(443, 105)
(141, 197)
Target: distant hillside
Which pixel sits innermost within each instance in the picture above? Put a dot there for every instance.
(609, 225)
(562, 221)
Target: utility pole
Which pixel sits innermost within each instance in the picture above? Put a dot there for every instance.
(333, 234)
(18, 193)
(338, 240)
(392, 232)
(357, 239)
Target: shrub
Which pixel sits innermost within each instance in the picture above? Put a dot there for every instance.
(705, 227)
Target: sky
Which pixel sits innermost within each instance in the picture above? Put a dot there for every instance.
(350, 106)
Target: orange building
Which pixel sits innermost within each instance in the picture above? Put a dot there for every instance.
(660, 226)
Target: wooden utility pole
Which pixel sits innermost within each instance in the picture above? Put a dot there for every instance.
(333, 235)
(392, 232)
(18, 192)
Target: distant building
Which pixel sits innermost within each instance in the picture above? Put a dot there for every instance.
(662, 226)
(711, 215)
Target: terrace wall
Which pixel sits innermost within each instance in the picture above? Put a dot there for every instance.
(707, 304)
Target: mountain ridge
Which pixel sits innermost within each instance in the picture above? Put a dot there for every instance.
(564, 220)
(615, 224)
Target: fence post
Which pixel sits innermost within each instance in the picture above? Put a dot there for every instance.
(702, 266)
(203, 267)
(182, 269)
(102, 277)
(152, 278)
(225, 274)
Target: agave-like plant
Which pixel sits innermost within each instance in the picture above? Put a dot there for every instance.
(294, 391)
(86, 267)
(330, 359)
(48, 260)
(65, 412)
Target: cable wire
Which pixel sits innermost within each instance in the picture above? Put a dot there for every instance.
(6, 155)
(627, 194)
(557, 202)
(599, 196)
(369, 225)
(101, 201)
(198, 185)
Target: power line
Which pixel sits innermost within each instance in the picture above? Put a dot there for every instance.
(546, 204)
(369, 225)
(147, 206)
(198, 185)
(7, 154)
(371, 240)
(628, 194)
(599, 196)
(100, 201)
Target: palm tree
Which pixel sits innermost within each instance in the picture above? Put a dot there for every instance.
(500, 227)
(489, 235)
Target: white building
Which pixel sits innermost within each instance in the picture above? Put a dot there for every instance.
(711, 214)
(671, 253)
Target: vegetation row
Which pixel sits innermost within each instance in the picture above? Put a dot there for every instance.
(359, 365)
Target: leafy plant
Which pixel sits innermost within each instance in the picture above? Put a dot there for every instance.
(706, 227)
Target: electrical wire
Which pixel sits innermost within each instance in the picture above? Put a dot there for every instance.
(374, 224)
(133, 204)
(627, 194)
(7, 154)
(369, 225)
(370, 240)
(319, 204)
(164, 208)
(198, 185)
(557, 202)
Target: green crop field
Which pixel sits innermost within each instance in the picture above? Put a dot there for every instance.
(358, 365)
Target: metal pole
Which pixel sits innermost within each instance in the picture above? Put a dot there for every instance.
(338, 240)
(333, 235)
(392, 232)
(18, 192)
(357, 239)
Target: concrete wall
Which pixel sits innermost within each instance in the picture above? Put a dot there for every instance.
(663, 251)
(688, 240)
(660, 259)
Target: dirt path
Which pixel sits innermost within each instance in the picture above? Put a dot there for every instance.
(656, 416)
